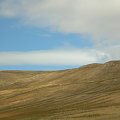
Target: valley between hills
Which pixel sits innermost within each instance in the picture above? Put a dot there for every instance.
(91, 92)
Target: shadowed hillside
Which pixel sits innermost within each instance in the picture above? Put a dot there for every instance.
(91, 92)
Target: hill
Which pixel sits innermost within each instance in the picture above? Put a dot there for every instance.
(91, 92)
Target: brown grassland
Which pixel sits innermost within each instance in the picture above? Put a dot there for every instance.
(91, 92)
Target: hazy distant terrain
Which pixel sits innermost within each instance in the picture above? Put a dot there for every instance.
(91, 92)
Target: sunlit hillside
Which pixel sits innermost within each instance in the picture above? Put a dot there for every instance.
(91, 92)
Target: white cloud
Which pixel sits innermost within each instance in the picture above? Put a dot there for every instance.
(51, 57)
(113, 52)
(97, 18)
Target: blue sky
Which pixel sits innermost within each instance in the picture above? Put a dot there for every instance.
(17, 37)
(47, 35)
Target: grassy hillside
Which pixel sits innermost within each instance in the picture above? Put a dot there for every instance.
(91, 92)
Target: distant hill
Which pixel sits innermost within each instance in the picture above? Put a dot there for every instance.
(91, 92)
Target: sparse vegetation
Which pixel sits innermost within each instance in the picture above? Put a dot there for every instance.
(91, 92)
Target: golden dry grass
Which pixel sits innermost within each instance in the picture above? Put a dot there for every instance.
(91, 92)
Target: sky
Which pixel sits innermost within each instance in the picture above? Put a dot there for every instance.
(55, 35)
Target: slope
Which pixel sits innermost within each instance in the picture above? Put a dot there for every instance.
(91, 92)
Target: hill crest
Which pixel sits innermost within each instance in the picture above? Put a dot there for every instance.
(91, 92)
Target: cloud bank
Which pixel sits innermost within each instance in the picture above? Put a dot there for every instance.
(99, 19)
(51, 57)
